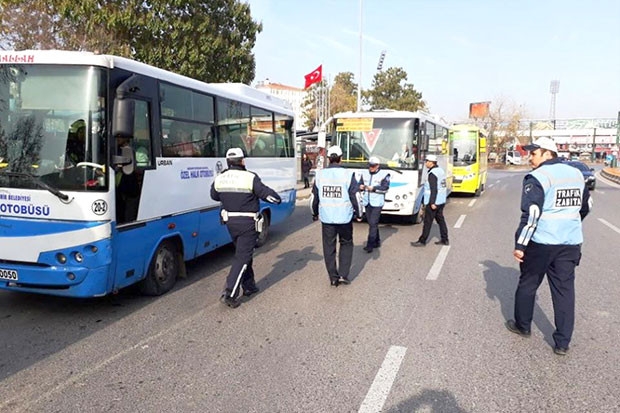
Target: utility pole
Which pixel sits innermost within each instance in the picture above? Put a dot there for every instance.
(594, 144)
(359, 86)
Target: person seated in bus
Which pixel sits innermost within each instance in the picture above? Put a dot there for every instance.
(403, 156)
(183, 144)
(76, 145)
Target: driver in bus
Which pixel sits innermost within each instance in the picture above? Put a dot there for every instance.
(76, 145)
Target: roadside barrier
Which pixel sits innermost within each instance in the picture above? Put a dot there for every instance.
(613, 174)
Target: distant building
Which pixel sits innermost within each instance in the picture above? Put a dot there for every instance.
(294, 95)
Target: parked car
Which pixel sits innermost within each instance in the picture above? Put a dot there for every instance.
(513, 157)
(587, 172)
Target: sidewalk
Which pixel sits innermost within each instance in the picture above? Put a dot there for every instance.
(303, 193)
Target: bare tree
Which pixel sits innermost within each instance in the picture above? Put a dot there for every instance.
(502, 123)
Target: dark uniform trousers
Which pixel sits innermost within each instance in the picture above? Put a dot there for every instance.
(431, 215)
(558, 262)
(243, 233)
(344, 232)
(373, 214)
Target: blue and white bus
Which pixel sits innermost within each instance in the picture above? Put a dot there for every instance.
(401, 140)
(106, 166)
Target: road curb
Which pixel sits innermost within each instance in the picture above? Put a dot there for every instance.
(609, 173)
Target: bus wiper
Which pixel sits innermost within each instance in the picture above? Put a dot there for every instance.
(38, 182)
(386, 166)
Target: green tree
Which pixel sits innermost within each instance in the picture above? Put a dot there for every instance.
(343, 93)
(390, 90)
(209, 40)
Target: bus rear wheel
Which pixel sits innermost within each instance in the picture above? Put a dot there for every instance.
(163, 270)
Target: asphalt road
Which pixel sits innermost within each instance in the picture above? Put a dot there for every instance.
(419, 329)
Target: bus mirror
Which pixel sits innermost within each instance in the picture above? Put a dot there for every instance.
(124, 115)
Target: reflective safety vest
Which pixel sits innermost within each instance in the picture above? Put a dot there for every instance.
(374, 198)
(234, 180)
(334, 203)
(442, 190)
(560, 221)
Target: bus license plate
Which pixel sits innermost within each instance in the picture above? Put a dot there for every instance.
(10, 275)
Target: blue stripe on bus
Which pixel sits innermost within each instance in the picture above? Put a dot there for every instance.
(17, 227)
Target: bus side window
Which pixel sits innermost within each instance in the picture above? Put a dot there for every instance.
(142, 135)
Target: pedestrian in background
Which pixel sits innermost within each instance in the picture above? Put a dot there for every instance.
(306, 166)
(374, 183)
(335, 203)
(548, 240)
(435, 196)
(239, 191)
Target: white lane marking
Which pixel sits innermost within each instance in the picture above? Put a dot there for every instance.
(600, 192)
(380, 388)
(491, 186)
(436, 268)
(459, 221)
(473, 201)
(615, 228)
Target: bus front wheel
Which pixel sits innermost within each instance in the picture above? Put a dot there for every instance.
(479, 190)
(163, 270)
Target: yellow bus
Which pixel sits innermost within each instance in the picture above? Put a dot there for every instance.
(469, 154)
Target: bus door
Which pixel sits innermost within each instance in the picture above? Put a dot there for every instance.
(133, 133)
(419, 130)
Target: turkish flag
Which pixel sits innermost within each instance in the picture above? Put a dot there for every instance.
(314, 77)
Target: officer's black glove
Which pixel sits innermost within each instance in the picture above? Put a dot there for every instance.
(315, 217)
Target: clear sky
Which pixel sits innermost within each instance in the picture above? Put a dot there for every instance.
(454, 51)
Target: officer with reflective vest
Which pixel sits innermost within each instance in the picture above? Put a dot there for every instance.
(548, 240)
(239, 191)
(335, 201)
(435, 194)
(374, 184)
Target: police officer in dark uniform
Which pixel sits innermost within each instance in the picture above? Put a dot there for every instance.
(548, 241)
(335, 201)
(435, 196)
(239, 192)
(374, 183)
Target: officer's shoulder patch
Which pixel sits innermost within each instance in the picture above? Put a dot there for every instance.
(527, 188)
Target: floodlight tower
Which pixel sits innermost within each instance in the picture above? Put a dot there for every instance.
(554, 89)
(381, 58)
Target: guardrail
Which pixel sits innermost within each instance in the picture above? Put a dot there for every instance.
(613, 174)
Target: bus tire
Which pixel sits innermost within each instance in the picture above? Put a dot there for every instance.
(419, 217)
(416, 217)
(478, 192)
(163, 270)
(262, 236)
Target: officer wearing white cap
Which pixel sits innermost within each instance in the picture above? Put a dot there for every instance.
(548, 240)
(239, 191)
(435, 195)
(374, 183)
(335, 202)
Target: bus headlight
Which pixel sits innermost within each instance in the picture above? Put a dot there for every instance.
(62, 258)
(397, 197)
(78, 256)
(404, 196)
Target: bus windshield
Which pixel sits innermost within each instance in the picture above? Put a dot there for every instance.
(464, 145)
(390, 140)
(51, 126)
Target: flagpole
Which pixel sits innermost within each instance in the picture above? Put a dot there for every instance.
(359, 87)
